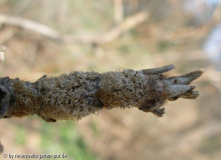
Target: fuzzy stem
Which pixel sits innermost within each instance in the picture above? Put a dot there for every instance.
(79, 94)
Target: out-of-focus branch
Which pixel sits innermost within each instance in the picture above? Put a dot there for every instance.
(28, 24)
(2, 56)
(127, 24)
(118, 11)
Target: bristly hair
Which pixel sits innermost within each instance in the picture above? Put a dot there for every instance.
(78, 94)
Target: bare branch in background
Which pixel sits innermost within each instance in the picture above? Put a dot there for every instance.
(2, 54)
(126, 25)
(79, 94)
(28, 24)
(118, 11)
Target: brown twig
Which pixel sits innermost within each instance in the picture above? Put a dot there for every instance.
(79, 94)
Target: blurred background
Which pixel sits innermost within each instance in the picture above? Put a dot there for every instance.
(54, 37)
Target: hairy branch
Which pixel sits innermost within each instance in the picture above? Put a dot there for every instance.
(126, 25)
(79, 94)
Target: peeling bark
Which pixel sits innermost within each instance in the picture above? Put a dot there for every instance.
(79, 94)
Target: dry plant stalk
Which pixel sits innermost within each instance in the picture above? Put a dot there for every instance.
(79, 94)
